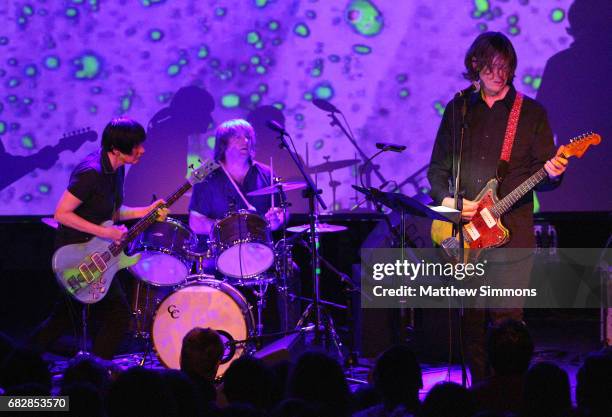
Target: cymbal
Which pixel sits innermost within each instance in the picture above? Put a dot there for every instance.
(50, 221)
(285, 186)
(331, 165)
(320, 228)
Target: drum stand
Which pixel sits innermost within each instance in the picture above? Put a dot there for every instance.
(261, 304)
(140, 322)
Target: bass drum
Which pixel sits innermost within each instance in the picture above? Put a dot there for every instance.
(203, 303)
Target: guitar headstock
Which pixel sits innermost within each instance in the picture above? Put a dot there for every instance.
(578, 145)
(198, 174)
(73, 140)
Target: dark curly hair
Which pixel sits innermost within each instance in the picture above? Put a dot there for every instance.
(484, 49)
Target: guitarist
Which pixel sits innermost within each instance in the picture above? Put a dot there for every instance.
(490, 65)
(94, 195)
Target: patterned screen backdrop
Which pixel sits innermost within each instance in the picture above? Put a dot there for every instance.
(181, 67)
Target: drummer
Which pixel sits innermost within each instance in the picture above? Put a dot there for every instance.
(217, 196)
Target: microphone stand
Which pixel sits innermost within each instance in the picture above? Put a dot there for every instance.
(311, 192)
(367, 167)
(458, 227)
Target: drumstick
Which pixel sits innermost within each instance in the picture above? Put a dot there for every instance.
(272, 180)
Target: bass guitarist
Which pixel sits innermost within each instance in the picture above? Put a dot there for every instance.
(94, 195)
(490, 65)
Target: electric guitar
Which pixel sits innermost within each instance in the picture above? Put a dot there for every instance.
(86, 270)
(486, 230)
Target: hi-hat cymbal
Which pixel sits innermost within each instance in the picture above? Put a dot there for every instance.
(320, 228)
(331, 165)
(285, 186)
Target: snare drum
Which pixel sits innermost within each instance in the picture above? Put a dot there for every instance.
(202, 303)
(165, 256)
(243, 244)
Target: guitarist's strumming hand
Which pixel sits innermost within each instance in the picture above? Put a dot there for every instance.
(116, 233)
(556, 166)
(469, 207)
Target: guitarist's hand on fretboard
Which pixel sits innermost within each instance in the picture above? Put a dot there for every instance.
(162, 212)
(556, 166)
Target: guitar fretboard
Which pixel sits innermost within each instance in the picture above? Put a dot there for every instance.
(508, 201)
(116, 248)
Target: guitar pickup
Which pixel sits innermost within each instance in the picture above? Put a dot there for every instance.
(98, 262)
(471, 231)
(86, 273)
(488, 217)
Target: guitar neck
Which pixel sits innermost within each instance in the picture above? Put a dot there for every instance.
(508, 201)
(146, 221)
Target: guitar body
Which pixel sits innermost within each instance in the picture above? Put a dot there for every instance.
(87, 279)
(483, 231)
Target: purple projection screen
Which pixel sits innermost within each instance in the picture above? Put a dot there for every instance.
(181, 67)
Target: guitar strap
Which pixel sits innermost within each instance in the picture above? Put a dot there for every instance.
(513, 119)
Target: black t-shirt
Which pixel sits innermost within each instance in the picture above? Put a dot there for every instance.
(100, 189)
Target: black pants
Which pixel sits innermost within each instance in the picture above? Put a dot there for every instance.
(112, 312)
(477, 321)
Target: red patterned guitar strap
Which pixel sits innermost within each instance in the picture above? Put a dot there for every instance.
(513, 120)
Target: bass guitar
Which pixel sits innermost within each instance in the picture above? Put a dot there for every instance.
(86, 270)
(486, 230)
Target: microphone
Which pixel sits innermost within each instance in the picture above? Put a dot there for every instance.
(390, 147)
(274, 125)
(325, 105)
(473, 88)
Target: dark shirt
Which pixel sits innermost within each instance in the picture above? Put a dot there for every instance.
(100, 189)
(486, 128)
(215, 197)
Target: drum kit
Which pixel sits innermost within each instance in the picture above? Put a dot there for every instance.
(182, 285)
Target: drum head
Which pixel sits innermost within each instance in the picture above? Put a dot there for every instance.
(160, 269)
(164, 247)
(245, 260)
(204, 304)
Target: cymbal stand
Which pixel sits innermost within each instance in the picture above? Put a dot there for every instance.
(260, 293)
(284, 253)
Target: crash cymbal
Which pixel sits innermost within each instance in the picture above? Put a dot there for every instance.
(320, 228)
(331, 165)
(285, 186)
